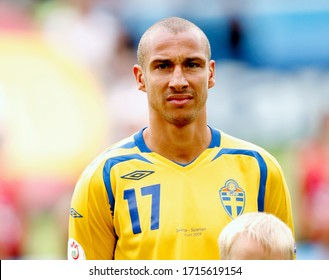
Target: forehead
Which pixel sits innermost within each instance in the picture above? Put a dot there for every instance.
(246, 248)
(166, 44)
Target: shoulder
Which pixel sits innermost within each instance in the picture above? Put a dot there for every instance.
(234, 144)
(121, 149)
(229, 141)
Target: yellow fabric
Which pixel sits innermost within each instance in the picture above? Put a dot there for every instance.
(135, 204)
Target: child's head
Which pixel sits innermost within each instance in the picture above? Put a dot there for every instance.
(256, 236)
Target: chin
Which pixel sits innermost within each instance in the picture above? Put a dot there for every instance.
(180, 120)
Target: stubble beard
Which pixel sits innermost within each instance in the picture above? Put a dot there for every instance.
(180, 119)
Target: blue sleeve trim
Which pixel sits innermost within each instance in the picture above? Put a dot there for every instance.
(107, 171)
(128, 145)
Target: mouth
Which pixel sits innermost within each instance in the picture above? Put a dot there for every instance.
(179, 99)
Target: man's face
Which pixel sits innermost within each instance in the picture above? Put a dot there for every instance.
(176, 76)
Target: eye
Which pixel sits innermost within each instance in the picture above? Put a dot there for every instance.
(192, 64)
(162, 66)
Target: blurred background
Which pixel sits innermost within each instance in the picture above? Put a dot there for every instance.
(67, 92)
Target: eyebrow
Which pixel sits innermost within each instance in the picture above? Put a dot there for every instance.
(156, 61)
(197, 59)
(169, 61)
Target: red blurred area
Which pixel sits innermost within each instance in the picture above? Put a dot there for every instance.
(314, 180)
(13, 18)
(12, 228)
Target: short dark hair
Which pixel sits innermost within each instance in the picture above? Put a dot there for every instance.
(174, 25)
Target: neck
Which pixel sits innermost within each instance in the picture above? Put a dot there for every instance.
(179, 144)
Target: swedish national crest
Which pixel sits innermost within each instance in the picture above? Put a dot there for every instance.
(233, 198)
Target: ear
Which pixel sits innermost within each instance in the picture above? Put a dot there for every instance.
(211, 79)
(139, 76)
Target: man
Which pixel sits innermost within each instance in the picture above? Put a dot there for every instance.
(167, 191)
(256, 236)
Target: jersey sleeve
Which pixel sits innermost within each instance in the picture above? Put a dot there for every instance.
(91, 232)
(277, 195)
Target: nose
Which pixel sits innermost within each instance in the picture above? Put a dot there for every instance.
(178, 80)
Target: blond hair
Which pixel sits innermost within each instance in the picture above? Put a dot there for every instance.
(264, 228)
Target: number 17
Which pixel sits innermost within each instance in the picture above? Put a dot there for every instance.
(130, 196)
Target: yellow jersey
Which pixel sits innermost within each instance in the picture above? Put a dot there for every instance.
(133, 204)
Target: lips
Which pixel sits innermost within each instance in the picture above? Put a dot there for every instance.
(179, 99)
(180, 96)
